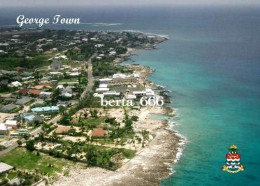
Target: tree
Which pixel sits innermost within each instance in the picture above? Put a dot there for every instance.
(94, 113)
(30, 145)
(19, 142)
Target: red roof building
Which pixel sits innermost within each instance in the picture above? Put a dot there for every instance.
(35, 92)
(23, 91)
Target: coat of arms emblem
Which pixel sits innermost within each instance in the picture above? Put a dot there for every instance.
(233, 161)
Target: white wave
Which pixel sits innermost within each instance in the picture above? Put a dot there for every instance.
(102, 24)
(8, 25)
(146, 33)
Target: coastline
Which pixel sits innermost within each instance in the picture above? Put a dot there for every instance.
(151, 163)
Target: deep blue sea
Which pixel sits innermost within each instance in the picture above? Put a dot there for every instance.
(211, 63)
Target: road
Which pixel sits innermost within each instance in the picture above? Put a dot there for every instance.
(90, 77)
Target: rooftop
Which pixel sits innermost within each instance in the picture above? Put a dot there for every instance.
(4, 167)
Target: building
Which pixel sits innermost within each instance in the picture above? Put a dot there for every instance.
(119, 76)
(105, 80)
(146, 92)
(74, 74)
(45, 94)
(5, 167)
(111, 93)
(23, 101)
(42, 86)
(56, 65)
(102, 89)
(49, 109)
(56, 74)
(23, 91)
(15, 84)
(32, 117)
(3, 129)
(35, 92)
(8, 108)
(67, 92)
(11, 124)
(130, 96)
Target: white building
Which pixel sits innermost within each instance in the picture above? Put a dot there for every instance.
(119, 76)
(74, 74)
(111, 93)
(15, 84)
(130, 96)
(102, 89)
(105, 80)
(103, 85)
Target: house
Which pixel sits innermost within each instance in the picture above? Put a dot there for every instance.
(42, 86)
(12, 124)
(49, 109)
(125, 80)
(39, 102)
(5, 167)
(67, 92)
(8, 108)
(23, 101)
(146, 92)
(119, 76)
(31, 117)
(60, 87)
(112, 53)
(111, 93)
(35, 92)
(74, 74)
(3, 129)
(102, 89)
(16, 181)
(56, 65)
(105, 80)
(63, 103)
(23, 91)
(45, 94)
(63, 57)
(98, 132)
(15, 84)
(102, 85)
(10, 99)
(130, 96)
(56, 74)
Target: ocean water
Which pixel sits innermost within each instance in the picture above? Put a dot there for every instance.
(211, 63)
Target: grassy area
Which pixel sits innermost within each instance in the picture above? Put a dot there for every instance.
(23, 159)
(91, 122)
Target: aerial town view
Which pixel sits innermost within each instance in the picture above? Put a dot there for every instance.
(55, 115)
(129, 93)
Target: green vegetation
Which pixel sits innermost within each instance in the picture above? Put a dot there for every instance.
(10, 61)
(23, 159)
(2, 147)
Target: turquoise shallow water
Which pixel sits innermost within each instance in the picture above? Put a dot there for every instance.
(211, 63)
(216, 108)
